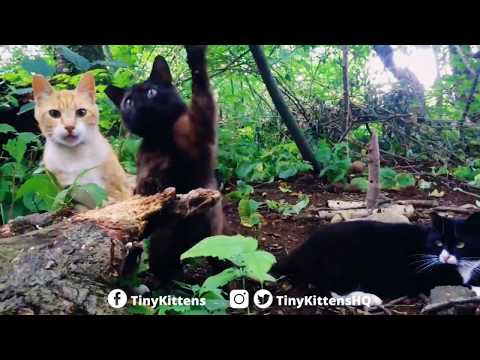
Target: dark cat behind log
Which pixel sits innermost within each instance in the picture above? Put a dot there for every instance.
(388, 260)
(179, 149)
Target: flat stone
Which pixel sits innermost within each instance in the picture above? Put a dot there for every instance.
(445, 294)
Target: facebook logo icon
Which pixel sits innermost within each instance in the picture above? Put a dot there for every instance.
(117, 298)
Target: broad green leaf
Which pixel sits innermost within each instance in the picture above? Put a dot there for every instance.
(61, 199)
(217, 306)
(221, 246)
(257, 265)
(80, 62)
(27, 137)
(16, 148)
(405, 180)
(5, 128)
(221, 279)
(299, 206)
(38, 66)
(387, 178)
(247, 209)
(360, 183)
(26, 107)
(90, 195)
(42, 186)
(23, 91)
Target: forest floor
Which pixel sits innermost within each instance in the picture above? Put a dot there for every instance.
(280, 235)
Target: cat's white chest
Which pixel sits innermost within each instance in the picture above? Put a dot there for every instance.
(68, 164)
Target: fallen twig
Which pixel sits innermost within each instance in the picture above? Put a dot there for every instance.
(466, 192)
(419, 203)
(454, 209)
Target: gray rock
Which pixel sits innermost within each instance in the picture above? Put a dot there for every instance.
(446, 294)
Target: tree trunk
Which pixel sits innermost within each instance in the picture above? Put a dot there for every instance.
(346, 92)
(69, 266)
(373, 190)
(282, 108)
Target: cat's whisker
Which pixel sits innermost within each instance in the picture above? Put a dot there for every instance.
(427, 266)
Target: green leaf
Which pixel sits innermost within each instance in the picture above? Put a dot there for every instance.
(464, 173)
(23, 91)
(5, 128)
(140, 310)
(26, 107)
(43, 187)
(62, 199)
(247, 209)
(360, 183)
(387, 178)
(16, 148)
(299, 206)
(243, 190)
(217, 306)
(257, 265)
(38, 66)
(221, 246)
(90, 195)
(28, 137)
(81, 63)
(286, 171)
(405, 180)
(221, 279)
(244, 170)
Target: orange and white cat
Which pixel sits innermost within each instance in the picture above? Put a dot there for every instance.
(69, 121)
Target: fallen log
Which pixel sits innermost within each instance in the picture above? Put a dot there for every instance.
(70, 266)
(342, 215)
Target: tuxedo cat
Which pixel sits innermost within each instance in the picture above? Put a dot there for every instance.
(388, 260)
(179, 149)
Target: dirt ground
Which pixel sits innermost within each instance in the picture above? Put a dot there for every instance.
(279, 235)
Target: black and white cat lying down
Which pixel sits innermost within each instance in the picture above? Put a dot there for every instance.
(388, 260)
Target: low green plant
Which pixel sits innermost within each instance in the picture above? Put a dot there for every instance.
(248, 212)
(389, 180)
(335, 161)
(241, 251)
(26, 188)
(284, 208)
(247, 263)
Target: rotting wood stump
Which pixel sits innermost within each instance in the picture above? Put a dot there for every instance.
(70, 265)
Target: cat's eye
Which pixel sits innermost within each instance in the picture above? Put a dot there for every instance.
(128, 103)
(54, 113)
(460, 245)
(438, 243)
(81, 112)
(151, 93)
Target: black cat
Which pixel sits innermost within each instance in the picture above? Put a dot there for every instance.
(388, 260)
(179, 149)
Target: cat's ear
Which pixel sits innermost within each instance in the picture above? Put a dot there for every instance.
(160, 71)
(87, 85)
(474, 220)
(41, 87)
(115, 94)
(437, 221)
